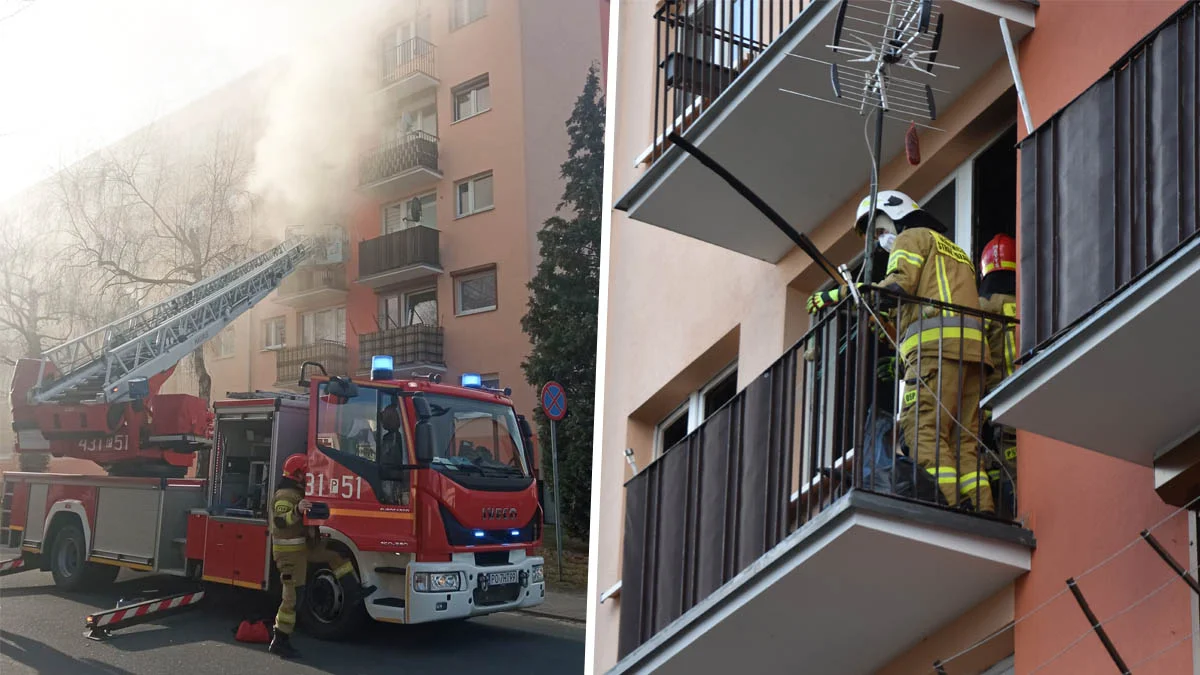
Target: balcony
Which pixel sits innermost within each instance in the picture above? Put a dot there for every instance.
(310, 287)
(407, 69)
(768, 510)
(415, 349)
(328, 353)
(718, 81)
(402, 167)
(400, 256)
(1110, 269)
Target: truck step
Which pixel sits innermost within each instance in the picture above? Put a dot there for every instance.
(389, 602)
(179, 540)
(391, 570)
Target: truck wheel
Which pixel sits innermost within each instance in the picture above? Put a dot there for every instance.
(69, 565)
(324, 613)
(68, 558)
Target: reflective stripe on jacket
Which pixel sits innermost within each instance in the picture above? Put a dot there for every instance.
(1002, 344)
(286, 521)
(926, 264)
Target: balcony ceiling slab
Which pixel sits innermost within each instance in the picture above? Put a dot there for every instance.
(400, 275)
(803, 157)
(1121, 382)
(847, 593)
(403, 183)
(314, 299)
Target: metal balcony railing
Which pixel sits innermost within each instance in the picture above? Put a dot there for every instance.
(329, 353)
(408, 345)
(410, 246)
(416, 149)
(809, 430)
(412, 56)
(310, 279)
(701, 47)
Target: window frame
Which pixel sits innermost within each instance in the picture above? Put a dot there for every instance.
(484, 378)
(963, 177)
(457, 19)
(404, 296)
(472, 87)
(459, 279)
(226, 338)
(268, 346)
(403, 204)
(693, 407)
(471, 181)
(342, 331)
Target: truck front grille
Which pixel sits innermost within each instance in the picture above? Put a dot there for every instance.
(497, 595)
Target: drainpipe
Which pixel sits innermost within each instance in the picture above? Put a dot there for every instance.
(1016, 73)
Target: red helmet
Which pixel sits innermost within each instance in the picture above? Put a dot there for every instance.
(999, 254)
(295, 467)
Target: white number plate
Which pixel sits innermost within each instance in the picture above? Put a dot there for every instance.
(501, 578)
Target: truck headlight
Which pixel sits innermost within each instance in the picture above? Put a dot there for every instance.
(437, 582)
(537, 576)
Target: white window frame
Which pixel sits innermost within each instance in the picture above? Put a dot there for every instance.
(472, 87)
(339, 327)
(963, 176)
(693, 407)
(268, 333)
(458, 310)
(224, 343)
(460, 16)
(402, 204)
(458, 214)
(1003, 667)
(484, 378)
(404, 318)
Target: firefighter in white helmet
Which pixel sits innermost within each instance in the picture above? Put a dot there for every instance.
(940, 349)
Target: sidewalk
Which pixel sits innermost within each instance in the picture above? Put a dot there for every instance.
(562, 605)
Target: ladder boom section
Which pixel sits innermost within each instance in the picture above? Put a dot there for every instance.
(99, 366)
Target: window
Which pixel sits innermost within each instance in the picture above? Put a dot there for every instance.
(325, 324)
(411, 123)
(359, 431)
(469, 433)
(699, 405)
(274, 335)
(415, 308)
(490, 380)
(463, 12)
(224, 345)
(472, 98)
(475, 292)
(474, 195)
(396, 216)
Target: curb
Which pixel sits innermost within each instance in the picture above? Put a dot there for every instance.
(550, 615)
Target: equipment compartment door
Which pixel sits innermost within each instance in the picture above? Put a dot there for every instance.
(219, 548)
(250, 555)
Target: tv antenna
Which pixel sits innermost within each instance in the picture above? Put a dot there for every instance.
(879, 42)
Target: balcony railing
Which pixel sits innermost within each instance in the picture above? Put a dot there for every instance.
(397, 250)
(408, 345)
(313, 279)
(410, 57)
(417, 150)
(328, 353)
(787, 448)
(701, 47)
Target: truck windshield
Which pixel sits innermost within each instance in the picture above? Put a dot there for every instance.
(475, 436)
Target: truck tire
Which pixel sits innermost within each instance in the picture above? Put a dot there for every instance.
(69, 565)
(323, 613)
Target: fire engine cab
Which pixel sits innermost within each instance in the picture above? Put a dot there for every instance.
(429, 488)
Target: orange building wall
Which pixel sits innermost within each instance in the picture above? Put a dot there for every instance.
(1084, 507)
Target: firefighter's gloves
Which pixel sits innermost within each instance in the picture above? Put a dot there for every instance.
(823, 299)
(886, 370)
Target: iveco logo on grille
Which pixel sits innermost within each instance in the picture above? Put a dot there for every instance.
(499, 513)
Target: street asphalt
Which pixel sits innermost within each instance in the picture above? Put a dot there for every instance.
(42, 631)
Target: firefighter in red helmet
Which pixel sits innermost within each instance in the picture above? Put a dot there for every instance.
(293, 546)
(998, 295)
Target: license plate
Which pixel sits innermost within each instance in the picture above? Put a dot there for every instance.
(501, 578)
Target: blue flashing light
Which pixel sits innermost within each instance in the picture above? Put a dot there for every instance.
(479, 534)
(382, 363)
(472, 380)
(515, 533)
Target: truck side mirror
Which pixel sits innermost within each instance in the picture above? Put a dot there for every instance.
(421, 406)
(424, 442)
(341, 387)
(527, 441)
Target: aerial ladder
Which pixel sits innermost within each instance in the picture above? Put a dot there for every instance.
(96, 397)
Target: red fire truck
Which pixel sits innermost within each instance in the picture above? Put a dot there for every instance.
(429, 488)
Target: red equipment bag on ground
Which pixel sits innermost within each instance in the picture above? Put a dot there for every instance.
(253, 632)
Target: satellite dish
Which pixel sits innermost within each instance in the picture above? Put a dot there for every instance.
(414, 210)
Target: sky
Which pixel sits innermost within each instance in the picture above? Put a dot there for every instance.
(76, 75)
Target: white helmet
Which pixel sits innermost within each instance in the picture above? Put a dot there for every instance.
(892, 203)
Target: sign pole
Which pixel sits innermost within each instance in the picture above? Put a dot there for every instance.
(554, 406)
(558, 534)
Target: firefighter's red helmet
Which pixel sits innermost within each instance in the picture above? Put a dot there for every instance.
(295, 467)
(1000, 254)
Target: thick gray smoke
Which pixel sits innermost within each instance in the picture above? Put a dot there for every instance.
(320, 115)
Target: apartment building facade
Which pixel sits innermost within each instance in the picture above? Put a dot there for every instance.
(750, 536)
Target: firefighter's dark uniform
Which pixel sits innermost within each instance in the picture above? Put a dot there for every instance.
(945, 350)
(1002, 344)
(293, 546)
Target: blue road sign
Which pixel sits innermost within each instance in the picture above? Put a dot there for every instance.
(554, 401)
